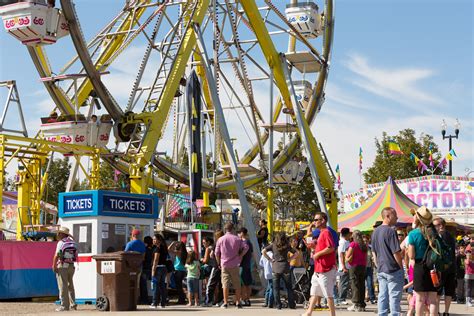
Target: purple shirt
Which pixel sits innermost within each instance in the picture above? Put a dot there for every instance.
(229, 248)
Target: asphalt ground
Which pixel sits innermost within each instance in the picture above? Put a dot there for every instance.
(48, 308)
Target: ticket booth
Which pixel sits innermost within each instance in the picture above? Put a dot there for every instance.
(100, 222)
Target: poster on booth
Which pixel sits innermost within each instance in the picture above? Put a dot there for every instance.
(450, 197)
(191, 240)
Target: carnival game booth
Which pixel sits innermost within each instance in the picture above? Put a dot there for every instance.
(101, 221)
(364, 217)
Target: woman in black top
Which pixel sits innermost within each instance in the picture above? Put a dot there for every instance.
(158, 273)
(281, 267)
(146, 270)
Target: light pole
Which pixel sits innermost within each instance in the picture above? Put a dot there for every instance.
(457, 126)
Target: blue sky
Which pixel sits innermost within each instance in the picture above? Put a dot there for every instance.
(395, 65)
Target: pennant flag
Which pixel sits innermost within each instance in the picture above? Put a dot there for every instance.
(431, 157)
(443, 163)
(338, 177)
(394, 148)
(414, 158)
(421, 166)
(360, 159)
(116, 175)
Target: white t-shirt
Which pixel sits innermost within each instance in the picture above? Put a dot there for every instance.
(342, 248)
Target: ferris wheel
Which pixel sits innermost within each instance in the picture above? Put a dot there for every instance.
(261, 65)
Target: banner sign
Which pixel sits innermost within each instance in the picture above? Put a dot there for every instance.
(107, 203)
(437, 193)
(128, 205)
(77, 203)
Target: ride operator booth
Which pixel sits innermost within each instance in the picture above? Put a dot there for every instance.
(101, 221)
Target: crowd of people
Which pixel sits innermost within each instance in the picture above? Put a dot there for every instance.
(423, 260)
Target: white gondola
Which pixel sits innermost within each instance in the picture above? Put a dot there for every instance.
(305, 18)
(303, 92)
(78, 132)
(33, 22)
(292, 173)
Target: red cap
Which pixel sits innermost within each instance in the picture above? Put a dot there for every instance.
(135, 232)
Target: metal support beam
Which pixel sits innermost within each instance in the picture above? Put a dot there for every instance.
(229, 148)
(270, 204)
(306, 136)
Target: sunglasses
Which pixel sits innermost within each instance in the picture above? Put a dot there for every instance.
(318, 219)
(401, 235)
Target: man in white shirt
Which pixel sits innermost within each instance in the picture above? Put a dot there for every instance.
(343, 269)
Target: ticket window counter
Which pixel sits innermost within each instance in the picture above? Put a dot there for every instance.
(100, 222)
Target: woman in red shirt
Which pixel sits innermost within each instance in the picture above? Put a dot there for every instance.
(356, 255)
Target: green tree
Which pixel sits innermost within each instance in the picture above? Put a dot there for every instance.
(295, 201)
(57, 179)
(402, 166)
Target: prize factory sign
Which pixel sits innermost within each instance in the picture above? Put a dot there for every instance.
(446, 196)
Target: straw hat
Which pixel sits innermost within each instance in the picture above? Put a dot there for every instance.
(64, 230)
(424, 215)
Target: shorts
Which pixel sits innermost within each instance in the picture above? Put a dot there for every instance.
(193, 285)
(422, 279)
(246, 276)
(448, 284)
(230, 276)
(322, 284)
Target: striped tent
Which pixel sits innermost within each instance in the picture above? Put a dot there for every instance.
(365, 216)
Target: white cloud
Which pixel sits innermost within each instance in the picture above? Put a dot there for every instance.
(398, 84)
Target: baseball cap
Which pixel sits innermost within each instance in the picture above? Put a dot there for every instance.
(135, 232)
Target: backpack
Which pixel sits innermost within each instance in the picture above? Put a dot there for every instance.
(437, 256)
(68, 251)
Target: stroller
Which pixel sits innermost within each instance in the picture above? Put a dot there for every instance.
(302, 286)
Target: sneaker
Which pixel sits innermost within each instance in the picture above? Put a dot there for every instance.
(344, 303)
(247, 303)
(445, 314)
(217, 305)
(224, 305)
(265, 305)
(352, 308)
(239, 306)
(373, 302)
(61, 309)
(153, 306)
(74, 308)
(469, 304)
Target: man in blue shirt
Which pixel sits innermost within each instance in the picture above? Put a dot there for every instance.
(136, 244)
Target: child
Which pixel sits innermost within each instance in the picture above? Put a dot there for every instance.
(469, 276)
(193, 267)
(267, 272)
(297, 259)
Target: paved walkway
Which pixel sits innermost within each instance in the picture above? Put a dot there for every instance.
(28, 308)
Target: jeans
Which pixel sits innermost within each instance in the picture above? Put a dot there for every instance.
(343, 287)
(269, 299)
(357, 276)
(390, 293)
(287, 280)
(159, 289)
(369, 282)
(214, 284)
(178, 278)
(145, 276)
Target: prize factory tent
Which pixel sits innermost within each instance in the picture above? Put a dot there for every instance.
(365, 216)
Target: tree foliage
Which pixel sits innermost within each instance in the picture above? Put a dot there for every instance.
(402, 166)
(58, 175)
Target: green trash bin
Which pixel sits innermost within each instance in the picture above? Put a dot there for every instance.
(120, 273)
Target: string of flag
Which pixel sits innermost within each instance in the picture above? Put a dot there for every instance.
(394, 149)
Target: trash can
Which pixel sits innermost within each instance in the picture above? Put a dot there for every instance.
(120, 280)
